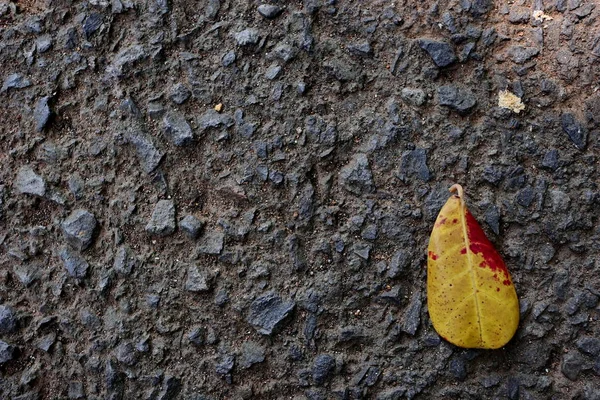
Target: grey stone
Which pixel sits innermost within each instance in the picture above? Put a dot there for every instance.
(79, 228)
(196, 336)
(252, 353)
(228, 58)
(6, 352)
(162, 221)
(273, 72)
(551, 160)
(400, 260)
(572, 365)
(46, 342)
(362, 49)
(285, 52)
(412, 315)
(441, 53)
(28, 182)
(214, 119)
(191, 226)
(323, 368)
(125, 354)
(75, 390)
(179, 93)
(458, 368)
(42, 113)
(148, 155)
(522, 54)
(43, 43)
(269, 312)
(8, 322)
(414, 164)
(76, 265)
(91, 24)
(492, 218)
(356, 176)
(586, 344)
(211, 242)
(196, 280)
(226, 364)
(269, 11)
(212, 9)
(249, 36)
(415, 97)
(177, 129)
(15, 81)
(125, 261)
(125, 59)
(459, 99)
(171, 387)
(574, 129)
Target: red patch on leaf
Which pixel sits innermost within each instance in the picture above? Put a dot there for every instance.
(506, 282)
(481, 245)
(432, 255)
(454, 221)
(441, 222)
(497, 289)
(463, 250)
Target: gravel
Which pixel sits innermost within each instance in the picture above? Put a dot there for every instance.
(233, 200)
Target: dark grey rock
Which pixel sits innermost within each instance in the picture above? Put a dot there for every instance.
(441, 53)
(343, 70)
(126, 354)
(586, 344)
(43, 43)
(356, 176)
(458, 368)
(459, 99)
(212, 9)
(285, 52)
(197, 336)
(79, 228)
(249, 36)
(480, 7)
(269, 312)
(125, 261)
(196, 281)
(75, 390)
(148, 155)
(522, 54)
(213, 119)
(269, 11)
(28, 182)
(415, 97)
(492, 218)
(6, 352)
(42, 113)
(46, 342)
(273, 72)
(171, 388)
(228, 58)
(226, 364)
(179, 93)
(162, 221)
(512, 389)
(125, 59)
(550, 160)
(76, 265)
(91, 24)
(362, 49)
(398, 264)
(572, 365)
(252, 353)
(370, 232)
(576, 131)
(323, 368)
(15, 81)
(177, 129)
(412, 315)
(191, 226)
(414, 164)
(8, 322)
(211, 242)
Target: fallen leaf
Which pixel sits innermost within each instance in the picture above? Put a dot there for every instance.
(471, 298)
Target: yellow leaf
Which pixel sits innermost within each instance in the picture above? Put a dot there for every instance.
(471, 298)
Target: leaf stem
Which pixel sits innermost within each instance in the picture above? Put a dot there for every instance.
(458, 189)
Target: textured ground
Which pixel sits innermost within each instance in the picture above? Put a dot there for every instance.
(231, 200)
